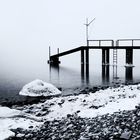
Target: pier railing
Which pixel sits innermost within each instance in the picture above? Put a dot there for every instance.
(105, 45)
(128, 42)
(100, 43)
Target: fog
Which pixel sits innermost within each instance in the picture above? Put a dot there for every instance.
(29, 27)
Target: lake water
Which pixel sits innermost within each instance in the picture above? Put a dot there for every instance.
(68, 75)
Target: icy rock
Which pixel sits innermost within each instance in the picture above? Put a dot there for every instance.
(126, 135)
(39, 88)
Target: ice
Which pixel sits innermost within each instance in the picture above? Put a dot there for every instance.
(39, 88)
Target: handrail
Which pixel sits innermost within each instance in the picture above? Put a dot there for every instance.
(104, 40)
(126, 40)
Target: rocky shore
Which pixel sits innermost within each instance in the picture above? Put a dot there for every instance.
(107, 114)
(124, 125)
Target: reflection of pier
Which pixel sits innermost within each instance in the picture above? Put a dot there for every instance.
(105, 74)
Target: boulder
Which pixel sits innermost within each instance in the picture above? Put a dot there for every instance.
(38, 88)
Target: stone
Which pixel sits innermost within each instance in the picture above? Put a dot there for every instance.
(126, 135)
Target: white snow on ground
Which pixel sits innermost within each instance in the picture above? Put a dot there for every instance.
(39, 88)
(94, 104)
(9, 120)
(7, 112)
(91, 105)
(85, 105)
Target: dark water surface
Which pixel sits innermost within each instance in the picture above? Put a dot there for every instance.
(68, 75)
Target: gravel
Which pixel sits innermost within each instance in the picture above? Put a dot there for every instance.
(123, 125)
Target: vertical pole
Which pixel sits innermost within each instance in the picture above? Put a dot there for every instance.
(82, 62)
(103, 56)
(82, 57)
(128, 74)
(87, 56)
(105, 73)
(87, 31)
(49, 52)
(107, 56)
(57, 50)
(129, 56)
(99, 43)
(112, 43)
(132, 43)
(87, 60)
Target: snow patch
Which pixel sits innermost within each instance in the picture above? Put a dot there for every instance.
(84, 105)
(12, 119)
(39, 88)
(90, 105)
(7, 112)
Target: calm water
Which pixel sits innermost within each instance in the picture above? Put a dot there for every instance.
(68, 75)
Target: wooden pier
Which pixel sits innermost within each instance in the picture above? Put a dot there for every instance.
(105, 45)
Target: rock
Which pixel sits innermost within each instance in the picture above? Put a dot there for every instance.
(39, 88)
(126, 135)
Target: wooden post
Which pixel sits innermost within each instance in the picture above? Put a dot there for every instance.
(87, 56)
(103, 56)
(105, 73)
(129, 56)
(82, 62)
(87, 61)
(82, 57)
(107, 56)
(49, 61)
(128, 74)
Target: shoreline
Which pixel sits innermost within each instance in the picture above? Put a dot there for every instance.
(121, 122)
(27, 100)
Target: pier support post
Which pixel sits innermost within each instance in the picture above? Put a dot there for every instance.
(54, 61)
(87, 61)
(129, 56)
(105, 56)
(82, 57)
(82, 62)
(105, 73)
(87, 56)
(128, 74)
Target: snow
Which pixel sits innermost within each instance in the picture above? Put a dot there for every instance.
(9, 120)
(39, 88)
(93, 104)
(7, 112)
(84, 105)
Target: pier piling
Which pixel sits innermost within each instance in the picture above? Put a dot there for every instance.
(129, 56)
(105, 56)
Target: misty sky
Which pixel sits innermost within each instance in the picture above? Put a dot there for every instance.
(28, 27)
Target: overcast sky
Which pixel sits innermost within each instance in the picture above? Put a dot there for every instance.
(28, 27)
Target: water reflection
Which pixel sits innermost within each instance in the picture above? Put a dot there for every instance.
(105, 74)
(66, 77)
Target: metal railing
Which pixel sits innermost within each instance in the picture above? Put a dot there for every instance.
(99, 43)
(128, 42)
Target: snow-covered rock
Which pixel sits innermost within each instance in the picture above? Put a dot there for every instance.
(39, 88)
